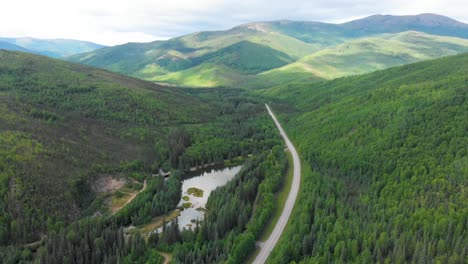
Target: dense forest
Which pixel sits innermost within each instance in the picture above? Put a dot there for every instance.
(384, 166)
(64, 126)
(237, 213)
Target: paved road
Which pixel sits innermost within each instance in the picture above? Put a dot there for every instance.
(268, 245)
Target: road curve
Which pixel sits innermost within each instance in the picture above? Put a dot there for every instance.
(268, 245)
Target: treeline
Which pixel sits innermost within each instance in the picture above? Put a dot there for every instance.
(385, 165)
(241, 128)
(94, 241)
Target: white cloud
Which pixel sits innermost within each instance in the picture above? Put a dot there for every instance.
(118, 21)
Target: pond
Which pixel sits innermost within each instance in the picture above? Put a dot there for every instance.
(196, 191)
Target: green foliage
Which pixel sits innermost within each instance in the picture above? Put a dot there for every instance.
(93, 241)
(195, 192)
(384, 166)
(16, 149)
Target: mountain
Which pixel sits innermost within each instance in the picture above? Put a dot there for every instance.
(428, 23)
(9, 46)
(226, 65)
(382, 154)
(363, 55)
(209, 59)
(56, 48)
(147, 60)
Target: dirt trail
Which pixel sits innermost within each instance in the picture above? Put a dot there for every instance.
(131, 198)
(167, 257)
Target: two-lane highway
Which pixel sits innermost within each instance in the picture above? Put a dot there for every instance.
(268, 245)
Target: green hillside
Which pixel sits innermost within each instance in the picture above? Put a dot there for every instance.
(228, 66)
(365, 55)
(203, 75)
(313, 50)
(151, 60)
(384, 166)
(64, 128)
(248, 57)
(62, 124)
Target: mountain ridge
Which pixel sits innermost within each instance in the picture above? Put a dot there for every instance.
(180, 60)
(55, 48)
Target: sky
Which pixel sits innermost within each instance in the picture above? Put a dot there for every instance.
(112, 22)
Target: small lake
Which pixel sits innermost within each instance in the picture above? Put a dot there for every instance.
(206, 181)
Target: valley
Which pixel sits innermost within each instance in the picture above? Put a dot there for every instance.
(268, 142)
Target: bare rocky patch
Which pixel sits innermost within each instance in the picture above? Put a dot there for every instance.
(108, 183)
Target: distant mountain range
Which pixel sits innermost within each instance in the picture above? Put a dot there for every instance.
(12, 47)
(264, 54)
(56, 48)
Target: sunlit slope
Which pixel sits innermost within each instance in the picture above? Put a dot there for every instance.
(367, 54)
(229, 65)
(149, 60)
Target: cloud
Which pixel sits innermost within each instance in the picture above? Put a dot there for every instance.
(117, 21)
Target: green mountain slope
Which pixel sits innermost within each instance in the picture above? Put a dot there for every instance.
(63, 125)
(55, 48)
(65, 128)
(247, 57)
(70, 135)
(148, 60)
(385, 166)
(180, 60)
(228, 66)
(365, 55)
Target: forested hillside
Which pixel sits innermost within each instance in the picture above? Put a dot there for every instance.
(65, 126)
(384, 166)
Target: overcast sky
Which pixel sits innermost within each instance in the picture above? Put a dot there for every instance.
(113, 22)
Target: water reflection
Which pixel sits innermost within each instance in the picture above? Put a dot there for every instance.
(207, 182)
